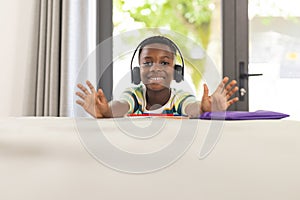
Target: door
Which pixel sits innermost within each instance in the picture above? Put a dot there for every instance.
(235, 48)
(274, 51)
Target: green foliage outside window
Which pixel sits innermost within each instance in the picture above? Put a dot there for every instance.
(191, 18)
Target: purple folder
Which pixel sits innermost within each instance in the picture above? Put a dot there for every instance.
(243, 115)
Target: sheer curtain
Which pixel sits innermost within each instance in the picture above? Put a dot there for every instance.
(66, 36)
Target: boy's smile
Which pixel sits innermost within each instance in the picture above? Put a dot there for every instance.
(157, 66)
(156, 78)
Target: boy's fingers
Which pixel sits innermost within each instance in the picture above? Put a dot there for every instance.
(231, 85)
(229, 88)
(102, 96)
(91, 86)
(225, 80)
(221, 86)
(82, 96)
(83, 89)
(79, 102)
(232, 91)
(232, 101)
(205, 90)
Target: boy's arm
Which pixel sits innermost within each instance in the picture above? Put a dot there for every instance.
(118, 108)
(95, 103)
(193, 109)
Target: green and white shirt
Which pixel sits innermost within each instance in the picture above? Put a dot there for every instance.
(136, 98)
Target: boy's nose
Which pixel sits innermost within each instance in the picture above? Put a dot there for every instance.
(155, 67)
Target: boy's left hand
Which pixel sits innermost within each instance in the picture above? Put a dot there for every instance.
(220, 99)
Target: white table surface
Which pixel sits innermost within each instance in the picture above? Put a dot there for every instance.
(44, 158)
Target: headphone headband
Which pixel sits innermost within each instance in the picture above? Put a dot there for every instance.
(160, 40)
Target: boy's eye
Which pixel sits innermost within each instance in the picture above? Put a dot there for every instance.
(150, 63)
(147, 64)
(165, 63)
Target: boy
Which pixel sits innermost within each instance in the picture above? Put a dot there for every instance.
(157, 56)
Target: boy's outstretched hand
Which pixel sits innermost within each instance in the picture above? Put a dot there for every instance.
(220, 99)
(95, 103)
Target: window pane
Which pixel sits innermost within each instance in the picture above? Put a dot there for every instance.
(194, 25)
(275, 52)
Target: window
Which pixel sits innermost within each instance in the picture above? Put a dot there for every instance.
(194, 25)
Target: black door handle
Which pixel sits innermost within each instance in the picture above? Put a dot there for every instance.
(242, 75)
(242, 79)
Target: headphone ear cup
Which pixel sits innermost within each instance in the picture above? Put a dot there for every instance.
(136, 75)
(178, 73)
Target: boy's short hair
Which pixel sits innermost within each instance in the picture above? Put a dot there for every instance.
(160, 40)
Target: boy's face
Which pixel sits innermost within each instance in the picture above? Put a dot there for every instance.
(157, 66)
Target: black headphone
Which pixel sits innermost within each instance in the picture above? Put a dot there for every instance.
(178, 69)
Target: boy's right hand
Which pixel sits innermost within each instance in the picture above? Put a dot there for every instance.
(95, 103)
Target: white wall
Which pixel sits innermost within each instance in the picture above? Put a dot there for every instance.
(18, 23)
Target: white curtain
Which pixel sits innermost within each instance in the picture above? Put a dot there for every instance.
(66, 36)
